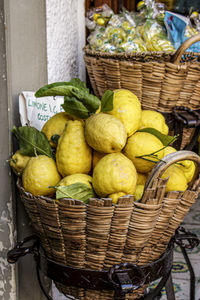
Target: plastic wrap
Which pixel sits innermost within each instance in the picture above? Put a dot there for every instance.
(180, 29)
(128, 31)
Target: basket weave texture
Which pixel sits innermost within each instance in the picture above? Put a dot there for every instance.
(158, 79)
(101, 234)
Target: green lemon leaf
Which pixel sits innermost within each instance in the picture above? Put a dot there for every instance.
(61, 88)
(32, 142)
(107, 101)
(74, 107)
(55, 89)
(164, 138)
(78, 83)
(75, 88)
(78, 191)
(90, 101)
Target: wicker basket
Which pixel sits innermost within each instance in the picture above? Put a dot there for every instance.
(159, 79)
(99, 235)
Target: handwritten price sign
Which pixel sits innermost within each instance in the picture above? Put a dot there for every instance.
(36, 111)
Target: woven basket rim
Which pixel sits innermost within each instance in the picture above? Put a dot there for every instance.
(30, 195)
(144, 56)
(125, 55)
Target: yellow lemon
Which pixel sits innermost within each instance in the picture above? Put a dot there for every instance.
(154, 119)
(73, 154)
(101, 21)
(169, 150)
(114, 173)
(96, 156)
(138, 192)
(127, 108)
(55, 126)
(142, 178)
(39, 174)
(18, 162)
(74, 178)
(177, 180)
(105, 133)
(116, 196)
(187, 166)
(96, 16)
(140, 5)
(138, 148)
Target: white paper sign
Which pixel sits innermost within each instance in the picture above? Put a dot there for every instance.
(36, 111)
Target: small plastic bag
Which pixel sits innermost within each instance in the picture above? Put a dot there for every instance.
(97, 38)
(98, 16)
(132, 46)
(152, 29)
(179, 29)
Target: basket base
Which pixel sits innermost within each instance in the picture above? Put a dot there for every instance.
(86, 284)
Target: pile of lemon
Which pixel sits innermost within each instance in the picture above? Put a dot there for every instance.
(106, 151)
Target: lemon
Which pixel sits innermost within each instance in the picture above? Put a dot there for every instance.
(40, 173)
(105, 133)
(55, 126)
(115, 196)
(169, 150)
(187, 166)
(96, 16)
(140, 5)
(101, 21)
(138, 192)
(114, 173)
(154, 119)
(177, 180)
(74, 178)
(73, 154)
(96, 156)
(143, 144)
(18, 162)
(142, 178)
(127, 108)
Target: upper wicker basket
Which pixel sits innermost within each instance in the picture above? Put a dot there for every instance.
(159, 79)
(99, 235)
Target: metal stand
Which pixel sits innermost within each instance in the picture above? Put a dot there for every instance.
(123, 278)
(180, 118)
(181, 237)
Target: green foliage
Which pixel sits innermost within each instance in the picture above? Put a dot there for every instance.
(54, 89)
(32, 142)
(74, 107)
(107, 101)
(164, 138)
(78, 191)
(77, 98)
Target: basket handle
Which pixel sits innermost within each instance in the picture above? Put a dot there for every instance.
(184, 46)
(170, 159)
